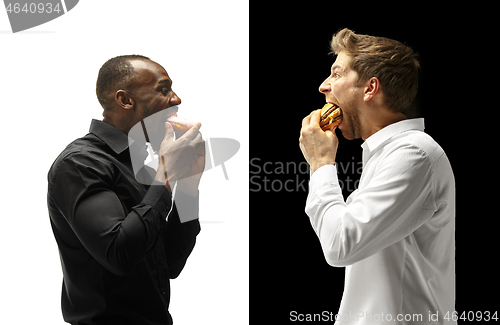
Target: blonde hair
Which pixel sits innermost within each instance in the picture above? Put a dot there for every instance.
(391, 62)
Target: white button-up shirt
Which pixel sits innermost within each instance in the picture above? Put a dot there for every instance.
(395, 233)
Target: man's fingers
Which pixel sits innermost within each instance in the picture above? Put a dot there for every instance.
(197, 138)
(306, 120)
(312, 119)
(169, 132)
(192, 132)
(331, 129)
(330, 134)
(315, 117)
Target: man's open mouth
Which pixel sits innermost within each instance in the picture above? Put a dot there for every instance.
(170, 111)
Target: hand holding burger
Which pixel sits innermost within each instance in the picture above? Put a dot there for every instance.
(182, 159)
(180, 125)
(320, 147)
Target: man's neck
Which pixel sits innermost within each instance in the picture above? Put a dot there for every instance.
(381, 121)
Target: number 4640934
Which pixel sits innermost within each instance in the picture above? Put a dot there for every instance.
(472, 316)
(33, 8)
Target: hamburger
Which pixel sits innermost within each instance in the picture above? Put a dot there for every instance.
(180, 125)
(331, 116)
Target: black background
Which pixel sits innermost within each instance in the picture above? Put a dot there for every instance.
(289, 60)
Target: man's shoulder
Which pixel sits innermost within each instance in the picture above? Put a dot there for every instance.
(85, 149)
(81, 145)
(419, 140)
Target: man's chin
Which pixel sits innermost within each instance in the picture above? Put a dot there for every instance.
(345, 133)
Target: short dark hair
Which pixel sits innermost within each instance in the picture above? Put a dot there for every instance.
(393, 63)
(115, 71)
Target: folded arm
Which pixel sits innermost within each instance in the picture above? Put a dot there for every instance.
(394, 203)
(117, 239)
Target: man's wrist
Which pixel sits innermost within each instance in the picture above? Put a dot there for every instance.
(317, 165)
(162, 181)
(187, 187)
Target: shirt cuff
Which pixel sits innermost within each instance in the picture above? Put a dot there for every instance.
(326, 174)
(324, 191)
(159, 198)
(187, 206)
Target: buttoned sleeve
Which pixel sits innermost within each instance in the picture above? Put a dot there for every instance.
(397, 200)
(82, 190)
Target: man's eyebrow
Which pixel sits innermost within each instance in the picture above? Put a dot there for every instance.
(336, 66)
(165, 81)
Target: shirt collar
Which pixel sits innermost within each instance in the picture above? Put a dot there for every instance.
(114, 138)
(381, 136)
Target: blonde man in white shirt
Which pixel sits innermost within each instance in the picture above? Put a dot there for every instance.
(395, 233)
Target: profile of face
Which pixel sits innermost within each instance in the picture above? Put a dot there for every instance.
(151, 92)
(341, 88)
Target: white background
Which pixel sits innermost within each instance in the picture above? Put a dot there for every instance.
(47, 87)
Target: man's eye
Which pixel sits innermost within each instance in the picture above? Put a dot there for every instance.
(165, 90)
(336, 75)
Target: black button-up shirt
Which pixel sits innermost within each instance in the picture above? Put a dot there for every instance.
(117, 250)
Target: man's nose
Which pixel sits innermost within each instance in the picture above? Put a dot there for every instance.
(324, 87)
(175, 100)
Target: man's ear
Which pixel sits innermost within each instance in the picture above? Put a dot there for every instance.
(124, 99)
(372, 88)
